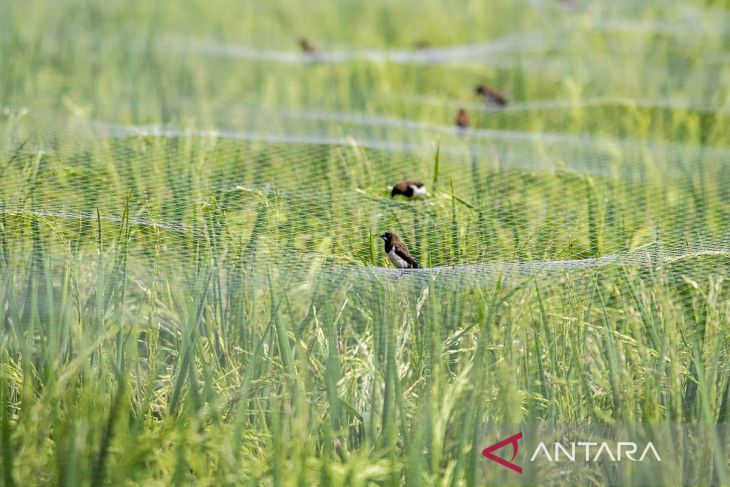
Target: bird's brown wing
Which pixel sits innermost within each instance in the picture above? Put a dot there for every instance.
(402, 252)
(400, 188)
(403, 186)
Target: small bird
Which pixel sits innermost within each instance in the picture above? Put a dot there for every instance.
(462, 120)
(491, 96)
(397, 252)
(422, 45)
(568, 4)
(409, 189)
(307, 47)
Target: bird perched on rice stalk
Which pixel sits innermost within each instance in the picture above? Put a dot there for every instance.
(397, 252)
(491, 96)
(462, 121)
(307, 47)
(409, 189)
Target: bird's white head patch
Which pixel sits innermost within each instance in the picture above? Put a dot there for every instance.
(418, 191)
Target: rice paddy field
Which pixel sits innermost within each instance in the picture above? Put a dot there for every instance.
(193, 290)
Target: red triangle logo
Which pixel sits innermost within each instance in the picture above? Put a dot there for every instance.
(512, 440)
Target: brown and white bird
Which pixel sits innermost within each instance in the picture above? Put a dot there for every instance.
(462, 120)
(307, 47)
(397, 252)
(409, 189)
(491, 96)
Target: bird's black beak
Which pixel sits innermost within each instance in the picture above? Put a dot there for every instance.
(384, 237)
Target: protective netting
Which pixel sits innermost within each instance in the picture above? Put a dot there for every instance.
(203, 187)
(295, 188)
